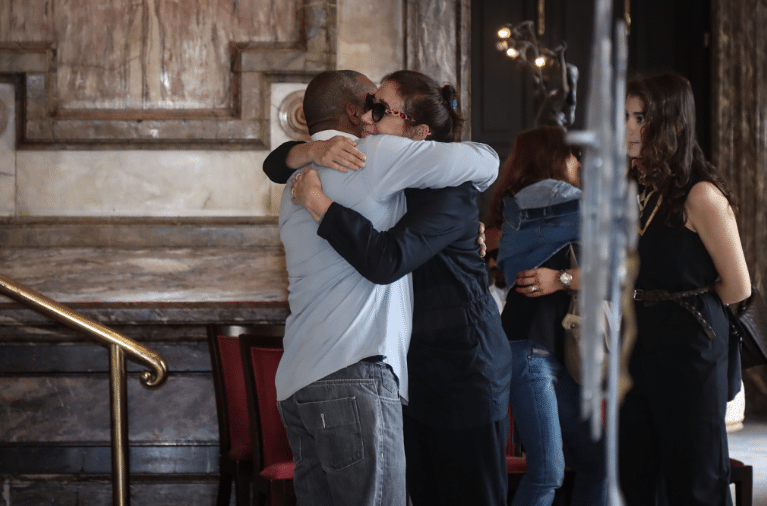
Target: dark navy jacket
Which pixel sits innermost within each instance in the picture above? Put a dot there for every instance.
(459, 362)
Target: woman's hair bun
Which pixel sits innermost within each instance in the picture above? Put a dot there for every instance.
(449, 94)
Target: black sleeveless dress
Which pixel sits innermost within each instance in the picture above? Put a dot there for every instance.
(673, 419)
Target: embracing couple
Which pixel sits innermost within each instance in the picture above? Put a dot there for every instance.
(394, 346)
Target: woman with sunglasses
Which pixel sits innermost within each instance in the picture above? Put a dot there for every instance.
(456, 422)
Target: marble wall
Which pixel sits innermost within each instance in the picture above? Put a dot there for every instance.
(740, 110)
(740, 139)
(166, 108)
(7, 150)
(131, 190)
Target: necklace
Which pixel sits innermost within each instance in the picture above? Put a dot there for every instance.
(644, 199)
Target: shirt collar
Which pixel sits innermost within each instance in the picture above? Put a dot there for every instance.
(324, 135)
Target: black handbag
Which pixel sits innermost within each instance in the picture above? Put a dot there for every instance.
(749, 324)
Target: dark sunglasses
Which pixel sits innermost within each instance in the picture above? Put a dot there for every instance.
(378, 110)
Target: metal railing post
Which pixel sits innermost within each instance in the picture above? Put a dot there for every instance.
(119, 422)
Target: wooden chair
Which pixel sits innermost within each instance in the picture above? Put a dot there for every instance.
(516, 467)
(742, 476)
(516, 463)
(235, 448)
(272, 456)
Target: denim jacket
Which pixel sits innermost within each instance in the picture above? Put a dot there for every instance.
(539, 220)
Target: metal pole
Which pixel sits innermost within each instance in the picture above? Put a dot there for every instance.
(608, 230)
(623, 241)
(119, 420)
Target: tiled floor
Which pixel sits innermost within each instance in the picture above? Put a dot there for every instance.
(749, 445)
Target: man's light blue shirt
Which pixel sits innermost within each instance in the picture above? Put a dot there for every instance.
(337, 317)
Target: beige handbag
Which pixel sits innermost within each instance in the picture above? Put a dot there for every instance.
(572, 324)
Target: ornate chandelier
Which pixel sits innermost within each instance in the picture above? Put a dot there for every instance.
(554, 79)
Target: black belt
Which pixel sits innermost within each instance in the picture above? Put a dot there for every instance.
(650, 297)
(374, 359)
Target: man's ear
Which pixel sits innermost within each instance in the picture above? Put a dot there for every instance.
(419, 132)
(354, 113)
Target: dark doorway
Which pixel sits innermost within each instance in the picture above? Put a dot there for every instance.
(666, 35)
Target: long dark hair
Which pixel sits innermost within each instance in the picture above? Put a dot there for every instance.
(537, 154)
(430, 104)
(671, 159)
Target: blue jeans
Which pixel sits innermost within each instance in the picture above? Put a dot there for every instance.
(346, 434)
(546, 403)
(536, 416)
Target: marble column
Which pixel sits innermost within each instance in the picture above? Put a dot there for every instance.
(739, 140)
(7, 150)
(740, 109)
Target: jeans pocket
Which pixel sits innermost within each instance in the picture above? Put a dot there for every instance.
(389, 382)
(336, 429)
(538, 363)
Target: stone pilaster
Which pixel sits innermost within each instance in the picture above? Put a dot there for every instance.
(438, 43)
(739, 140)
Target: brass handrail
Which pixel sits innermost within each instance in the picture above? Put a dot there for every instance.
(62, 314)
(119, 346)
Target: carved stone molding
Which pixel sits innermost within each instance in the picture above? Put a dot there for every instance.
(739, 145)
(243, 124)
(438, 43)
(3, 117)
(291, 117)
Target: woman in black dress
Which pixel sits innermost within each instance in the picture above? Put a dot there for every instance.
(673, 443)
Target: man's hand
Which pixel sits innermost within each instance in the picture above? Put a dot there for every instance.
(339, 153)
(306, 188)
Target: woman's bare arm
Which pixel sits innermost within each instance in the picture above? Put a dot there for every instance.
(710, 215)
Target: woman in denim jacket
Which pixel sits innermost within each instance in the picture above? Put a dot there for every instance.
(536, 205)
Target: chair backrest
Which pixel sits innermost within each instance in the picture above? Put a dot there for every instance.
(263, 352)
(231, 391)
(516, 463)
(513, 446)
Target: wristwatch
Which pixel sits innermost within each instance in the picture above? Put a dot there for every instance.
(565, 278)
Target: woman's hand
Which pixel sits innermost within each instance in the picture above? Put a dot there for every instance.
(541, 281)
(306, 188)
(481, 240)
(339, 153)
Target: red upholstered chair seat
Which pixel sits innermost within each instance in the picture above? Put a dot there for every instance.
(279, 471)
(516, 465)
